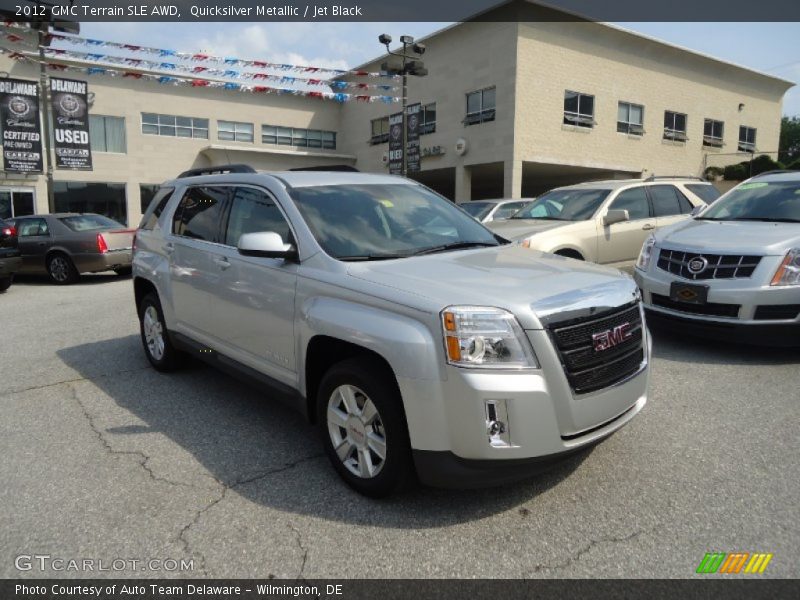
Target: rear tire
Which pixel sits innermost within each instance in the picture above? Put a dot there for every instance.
(61, 269)
(5, 283)
(153, 330)
(363, 427)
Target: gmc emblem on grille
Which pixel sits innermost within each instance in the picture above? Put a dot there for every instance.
(611, 337)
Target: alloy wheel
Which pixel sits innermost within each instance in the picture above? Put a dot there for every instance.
(356, 431)
(153, 333)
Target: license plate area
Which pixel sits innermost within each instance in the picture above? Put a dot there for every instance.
(688, 293)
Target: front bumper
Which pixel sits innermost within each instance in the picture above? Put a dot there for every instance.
(107, 261)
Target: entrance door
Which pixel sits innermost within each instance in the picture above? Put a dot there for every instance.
(16, 202)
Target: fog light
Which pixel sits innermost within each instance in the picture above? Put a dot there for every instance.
(497, 424)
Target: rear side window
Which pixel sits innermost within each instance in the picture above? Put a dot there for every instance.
(665, 200)
(32, 227)
(199, 214)
(634, 201)
(157, 206)
(253, 211)
(708, 193)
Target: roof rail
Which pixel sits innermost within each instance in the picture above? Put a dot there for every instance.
(775, 172)
(346, 168)
(654, 177)
(217, 170)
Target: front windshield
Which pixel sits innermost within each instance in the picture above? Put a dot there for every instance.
(758, 201)
(564, 205)
(477, 209)
(372, 221)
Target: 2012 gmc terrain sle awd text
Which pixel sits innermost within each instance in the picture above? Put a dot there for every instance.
(421, 344)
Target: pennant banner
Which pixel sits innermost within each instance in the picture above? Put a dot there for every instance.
(22, 132)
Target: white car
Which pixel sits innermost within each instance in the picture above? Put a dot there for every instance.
(486, 211)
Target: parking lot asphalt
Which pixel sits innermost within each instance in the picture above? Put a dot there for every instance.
(104, 458)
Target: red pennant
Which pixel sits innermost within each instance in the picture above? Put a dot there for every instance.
(199, 83)
(133, 75)
(200, 57)
(199, 69)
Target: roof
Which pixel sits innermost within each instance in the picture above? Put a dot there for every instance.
(573, 17)
(304, 178)
(613, 184)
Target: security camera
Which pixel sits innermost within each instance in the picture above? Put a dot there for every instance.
(418, 48)
(406, 39)
(385, 39)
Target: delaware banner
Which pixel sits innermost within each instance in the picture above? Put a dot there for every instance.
(22, 133)
(396, 143)
(412, 137)
(70, 124)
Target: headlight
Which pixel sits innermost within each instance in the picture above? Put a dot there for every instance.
(789, 271)
(646, 253)
(526, 243)
(485, 337)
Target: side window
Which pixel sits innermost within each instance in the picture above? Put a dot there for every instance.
(665, 200)
(686, 206)
(32, 227)
(200, 213)
(252, 211)
(634, 201)
(158, 203)
(507, 210)
(707, 192)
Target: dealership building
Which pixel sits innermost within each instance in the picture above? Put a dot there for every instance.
(509, 109)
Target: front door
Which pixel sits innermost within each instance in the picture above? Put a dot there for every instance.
(669, 205)
(34, 239)
(621, 242)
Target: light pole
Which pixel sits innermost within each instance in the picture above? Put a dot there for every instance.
(410, 66)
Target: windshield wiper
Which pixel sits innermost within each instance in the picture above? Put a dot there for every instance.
(452, 246)
(366, 257)
(767, 219)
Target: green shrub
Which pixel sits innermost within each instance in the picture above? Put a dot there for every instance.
(764, 163)
(794, 165)
(713, 173)
(737, 172)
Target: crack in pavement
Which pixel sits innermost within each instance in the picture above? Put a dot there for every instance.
(592, 543)
(303, 549)
(69, 381)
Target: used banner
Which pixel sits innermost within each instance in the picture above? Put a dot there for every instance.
(412, 137)
(70, 124)
(396, 144)
(22, 133)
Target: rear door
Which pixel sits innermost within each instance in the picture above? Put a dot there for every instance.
(621, 242)
(669, 204)
(193, 246)
(34, 239)
(255, 301)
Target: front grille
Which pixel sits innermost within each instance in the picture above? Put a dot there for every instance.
(768, 312)
(719, 266)
(711, 309)
(587, 369)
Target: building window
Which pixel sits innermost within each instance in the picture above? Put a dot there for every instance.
(232, 131)
(107, 134)
(630, 118)
(106, 199)
(380, 131)
(15, 203)
(428, 119)
(301, 138)
(712, 133)
(674, 126)
(480, 106)
(173, 126)
(747, 139)
(578, 109)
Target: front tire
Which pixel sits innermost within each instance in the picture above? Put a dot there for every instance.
(153, 329)
(61, 269)
(363, 427)
(5, 283)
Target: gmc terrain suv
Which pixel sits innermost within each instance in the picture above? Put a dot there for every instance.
(418, 341)
(605, 221)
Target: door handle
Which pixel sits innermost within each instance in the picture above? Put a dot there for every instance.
(169, 248)
(222, 263)
(648, 226)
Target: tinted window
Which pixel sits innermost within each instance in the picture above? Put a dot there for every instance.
(252, 211)
(89, 222)
(31, 227)
(506, 210)
(665, 200)
(478, 209)
(200, 213)
(708, 193)
(634, 201)
(159, 203)
(759, 201)
(564, 205)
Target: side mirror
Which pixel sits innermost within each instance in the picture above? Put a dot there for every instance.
(616, 216)
(697, 210)
(266, 244)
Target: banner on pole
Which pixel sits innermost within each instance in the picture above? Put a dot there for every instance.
(396, 143)
(413, 114)
(70, 109)
(22, 132)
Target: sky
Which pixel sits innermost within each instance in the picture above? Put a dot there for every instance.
(773, 48)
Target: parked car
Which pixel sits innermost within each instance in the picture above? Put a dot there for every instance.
(732, 271)
(10, 260)
(64, 245)
(418, 342)
(493, 210)
(604, 221)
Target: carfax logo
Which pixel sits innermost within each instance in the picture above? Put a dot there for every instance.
(733, 563)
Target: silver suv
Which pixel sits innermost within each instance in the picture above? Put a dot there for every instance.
(732, 271)
(419, 342)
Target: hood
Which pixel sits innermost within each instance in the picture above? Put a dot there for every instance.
(744, 237)
(535, 286)
(517, 229)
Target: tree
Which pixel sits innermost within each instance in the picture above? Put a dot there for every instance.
(789, 144)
